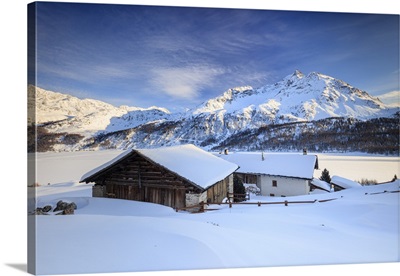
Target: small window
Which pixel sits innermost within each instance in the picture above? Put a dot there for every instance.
(274, 183)
(271, 194)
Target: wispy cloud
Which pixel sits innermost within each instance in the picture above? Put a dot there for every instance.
(184, 82)
(391, 98)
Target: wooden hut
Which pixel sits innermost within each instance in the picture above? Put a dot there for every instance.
(179, 176)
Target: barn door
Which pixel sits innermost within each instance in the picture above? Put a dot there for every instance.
(180, 198)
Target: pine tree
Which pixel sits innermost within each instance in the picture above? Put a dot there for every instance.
(325, 176)
(238, 188)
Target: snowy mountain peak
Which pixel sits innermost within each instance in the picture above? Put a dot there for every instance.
(238, 92)
(66, 113)
(316, 75)
(297, 97)
(290, 79)
(298, 74)
(220, 102)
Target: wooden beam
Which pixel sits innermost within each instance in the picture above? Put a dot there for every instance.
(170, 185)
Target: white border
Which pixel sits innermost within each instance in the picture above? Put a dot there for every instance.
(13, 128)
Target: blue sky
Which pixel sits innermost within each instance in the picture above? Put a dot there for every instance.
(178, 57)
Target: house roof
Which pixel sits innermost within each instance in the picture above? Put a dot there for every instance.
(321, 184)
(278, 164)
(188, 161)
(344, 182)
(105, 166)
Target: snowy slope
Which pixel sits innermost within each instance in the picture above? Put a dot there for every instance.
(87, 116)
(140, 116)
(53, 106)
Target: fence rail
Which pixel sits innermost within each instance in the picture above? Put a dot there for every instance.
(259, 203)
(234, 196)
(397, 191)
(199, 208)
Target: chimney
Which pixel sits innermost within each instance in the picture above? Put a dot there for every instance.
(226, 151)
(304, 151)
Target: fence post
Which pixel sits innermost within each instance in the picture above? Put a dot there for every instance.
(286, 203)
(230, 204)
(230, 196)
(259, 204)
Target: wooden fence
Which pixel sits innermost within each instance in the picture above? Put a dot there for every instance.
(240, 197)
(382, 192)
(199, 208)
(286, 202)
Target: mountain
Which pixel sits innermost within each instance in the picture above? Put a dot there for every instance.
(65, 113)
(275, 116)
(297, 98)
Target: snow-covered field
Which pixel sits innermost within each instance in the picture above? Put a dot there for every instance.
(111, 235)
(356, 166)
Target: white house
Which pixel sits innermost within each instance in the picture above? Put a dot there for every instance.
(276, 174)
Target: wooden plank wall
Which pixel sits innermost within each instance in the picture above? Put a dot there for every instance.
(169, 197)
(138, 179)
(219, 191)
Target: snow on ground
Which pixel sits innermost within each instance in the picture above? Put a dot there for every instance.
(109, 235)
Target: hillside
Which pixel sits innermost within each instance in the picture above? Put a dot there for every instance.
(64, 113)
(314, 111)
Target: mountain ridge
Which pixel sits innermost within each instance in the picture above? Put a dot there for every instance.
(85, 116)
(323, 93)
(297, 98)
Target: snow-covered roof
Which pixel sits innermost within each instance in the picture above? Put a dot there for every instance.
(190, 162)
(321, 184)
(278, 164)
(344, 182)
(105, 165)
